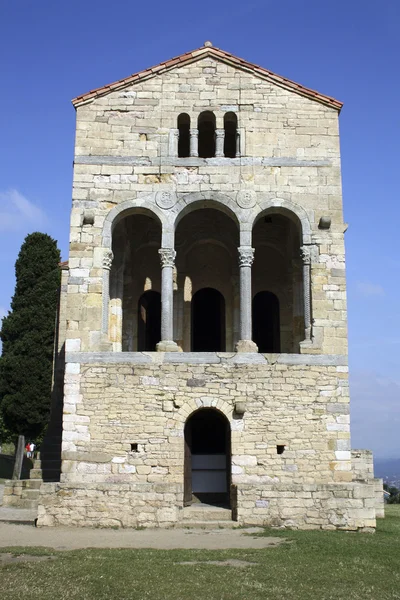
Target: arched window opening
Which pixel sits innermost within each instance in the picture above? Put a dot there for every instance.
(149, 321)
(230, 139)
(266, 322)
(208, 321)
(136, 239)
(206, 127)
(184, 135)
(207, 458)
(277, 326)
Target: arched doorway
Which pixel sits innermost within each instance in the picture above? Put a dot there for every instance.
(207, 470)
(208, 321)
(266, 322)
(149, 321)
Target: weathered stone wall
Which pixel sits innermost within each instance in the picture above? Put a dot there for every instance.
(109, 505)
(328, 506)
(124, 413)
(347, 506)
(362, 464)
(114, 400)
(290, 162)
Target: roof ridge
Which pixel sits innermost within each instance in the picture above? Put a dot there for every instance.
(206, 50)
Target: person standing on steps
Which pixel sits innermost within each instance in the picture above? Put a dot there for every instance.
(32, 447)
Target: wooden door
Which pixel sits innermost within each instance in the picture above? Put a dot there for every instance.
(187, 469)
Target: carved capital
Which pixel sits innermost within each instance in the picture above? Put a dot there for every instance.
(167, 256)
(246, 256)
(107, 260)
(220, 133)
(194, 133)
(305, 254)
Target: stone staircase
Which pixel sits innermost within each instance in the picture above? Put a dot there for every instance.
(24, 493)
(206, 516)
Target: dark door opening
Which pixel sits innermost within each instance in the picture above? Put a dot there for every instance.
(149, 321)
(208, 321)
(207, 471)
(266, 322)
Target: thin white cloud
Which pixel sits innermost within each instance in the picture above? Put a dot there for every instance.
(367, 288)
(18, 213)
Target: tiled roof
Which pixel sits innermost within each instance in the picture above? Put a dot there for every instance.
(212, 52)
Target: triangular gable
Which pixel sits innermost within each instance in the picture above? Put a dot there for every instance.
(209, 51)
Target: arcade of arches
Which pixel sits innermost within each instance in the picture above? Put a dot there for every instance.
(202, 279)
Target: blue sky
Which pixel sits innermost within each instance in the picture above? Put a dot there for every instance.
(52, 51)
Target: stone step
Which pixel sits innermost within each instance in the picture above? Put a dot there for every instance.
(33, 484)
(18, 502)
(186, 524)
(30, 494)
(201, 512)
(36, 474)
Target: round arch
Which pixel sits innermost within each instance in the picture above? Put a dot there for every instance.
(198, 200)
(207, 457)
(141, 206)
(292, 211)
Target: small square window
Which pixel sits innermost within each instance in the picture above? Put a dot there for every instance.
(280, 449)
(134, 447)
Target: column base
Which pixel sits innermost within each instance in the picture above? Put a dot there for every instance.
(168, 346)
(246, 346)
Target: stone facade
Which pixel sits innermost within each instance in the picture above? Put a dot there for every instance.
(265, 220)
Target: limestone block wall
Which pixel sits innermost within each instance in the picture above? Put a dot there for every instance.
(115, 400)
(363, 470)
(290, 161)
(350, 506)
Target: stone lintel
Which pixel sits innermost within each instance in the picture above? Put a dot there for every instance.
(135, 161)
(205, 358)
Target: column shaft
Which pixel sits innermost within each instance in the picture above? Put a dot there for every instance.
(219, 142)
(194, 142)
(245, 344)
(167, 301)
(237, 155)
(107, 262)
(306, 256)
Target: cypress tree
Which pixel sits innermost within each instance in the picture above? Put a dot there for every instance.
(27, 334)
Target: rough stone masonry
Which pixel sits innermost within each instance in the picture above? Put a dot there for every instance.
(202, 324)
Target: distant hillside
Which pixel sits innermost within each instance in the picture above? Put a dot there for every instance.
(388, 469)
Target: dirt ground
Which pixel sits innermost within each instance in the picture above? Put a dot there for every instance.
(70, 538)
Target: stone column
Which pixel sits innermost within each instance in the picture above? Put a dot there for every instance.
(194, 142)
(306, 258)
(107, 262)
(237, 155)
(219, 142)
(173, 142)
(167, 344)
(246, 257)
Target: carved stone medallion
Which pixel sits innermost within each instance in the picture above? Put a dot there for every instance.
(246, 198)
(165, 199)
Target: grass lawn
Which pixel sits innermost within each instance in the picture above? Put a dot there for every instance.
(312, 565)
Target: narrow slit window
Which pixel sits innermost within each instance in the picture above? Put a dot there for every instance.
(184, 135)
(206, 126)
(231, 135)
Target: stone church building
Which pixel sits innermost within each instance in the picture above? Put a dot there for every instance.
(202, 342)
